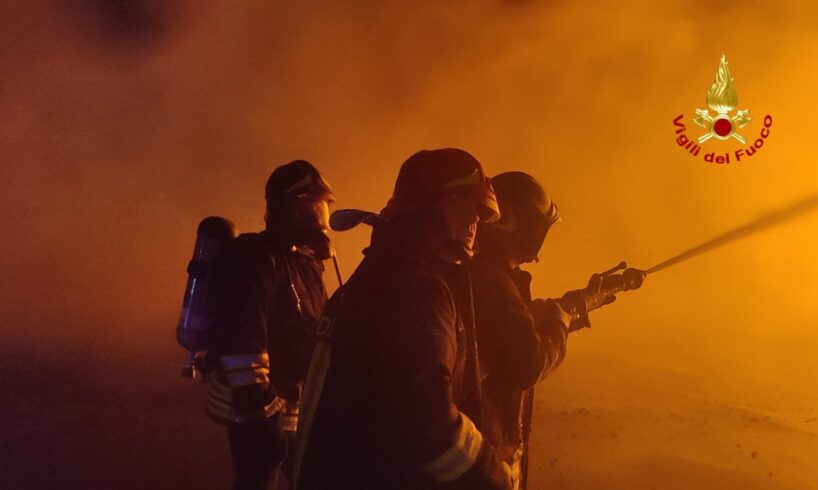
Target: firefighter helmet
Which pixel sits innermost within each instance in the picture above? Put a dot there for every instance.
(429, 175)
(527, 214)
(297, 198)
(294, 180)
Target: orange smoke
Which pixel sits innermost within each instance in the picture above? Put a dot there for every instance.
(121, 129)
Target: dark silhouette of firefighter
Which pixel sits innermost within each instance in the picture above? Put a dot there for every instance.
(392, 396)
(268, 294)
(522, 339)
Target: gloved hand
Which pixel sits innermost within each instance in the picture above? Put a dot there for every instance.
(549, 312)
(579, 302)
(595, 296)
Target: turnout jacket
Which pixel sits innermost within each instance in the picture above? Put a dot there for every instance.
(520, 342)
(268, 297)
(390, 379)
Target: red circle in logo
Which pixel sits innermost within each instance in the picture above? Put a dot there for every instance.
(722, 127)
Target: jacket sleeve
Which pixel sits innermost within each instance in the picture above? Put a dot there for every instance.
(509, 341)
(551, 323)
(242, 391)
(442, 441)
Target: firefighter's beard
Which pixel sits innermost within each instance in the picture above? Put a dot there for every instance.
(463, 243)
(456, 232)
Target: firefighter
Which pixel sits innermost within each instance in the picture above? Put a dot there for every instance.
(269, 293)
(520, 340)
(391, 399)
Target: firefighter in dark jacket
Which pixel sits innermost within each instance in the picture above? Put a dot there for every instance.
(269, 295)
(520, 340)
(392, 392)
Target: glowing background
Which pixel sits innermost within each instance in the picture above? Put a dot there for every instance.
(124, 123)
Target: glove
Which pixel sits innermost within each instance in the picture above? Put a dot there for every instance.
(579, 302)
(594, 294)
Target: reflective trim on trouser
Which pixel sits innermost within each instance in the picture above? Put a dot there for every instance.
(220, 404)
(246, 377)
(288, 417)
(461, 456)
(246, 369)
(245, 361)
(515, 468)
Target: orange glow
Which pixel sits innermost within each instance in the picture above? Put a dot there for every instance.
(114, 148)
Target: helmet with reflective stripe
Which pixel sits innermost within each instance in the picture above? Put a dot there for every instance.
(527, 213)
(429, 175)
(298, 199)
(294, 180)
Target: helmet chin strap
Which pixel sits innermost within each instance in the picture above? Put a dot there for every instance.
(457, 248)
(448, 248)
(531, 252)
(461, 251)
(453, 251)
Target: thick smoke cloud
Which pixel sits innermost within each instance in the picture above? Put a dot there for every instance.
(125, 122)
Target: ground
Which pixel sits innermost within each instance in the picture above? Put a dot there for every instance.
(125, 420)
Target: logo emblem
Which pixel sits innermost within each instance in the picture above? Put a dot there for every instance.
(723, 123)
(722, 99)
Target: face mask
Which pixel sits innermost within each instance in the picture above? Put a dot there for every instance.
(310, 220)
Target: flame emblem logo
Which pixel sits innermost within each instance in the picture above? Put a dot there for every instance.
(722, 99)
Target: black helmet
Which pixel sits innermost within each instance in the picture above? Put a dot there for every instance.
(290, 214)
(295, 180)
(527, 213)
(428, 175)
